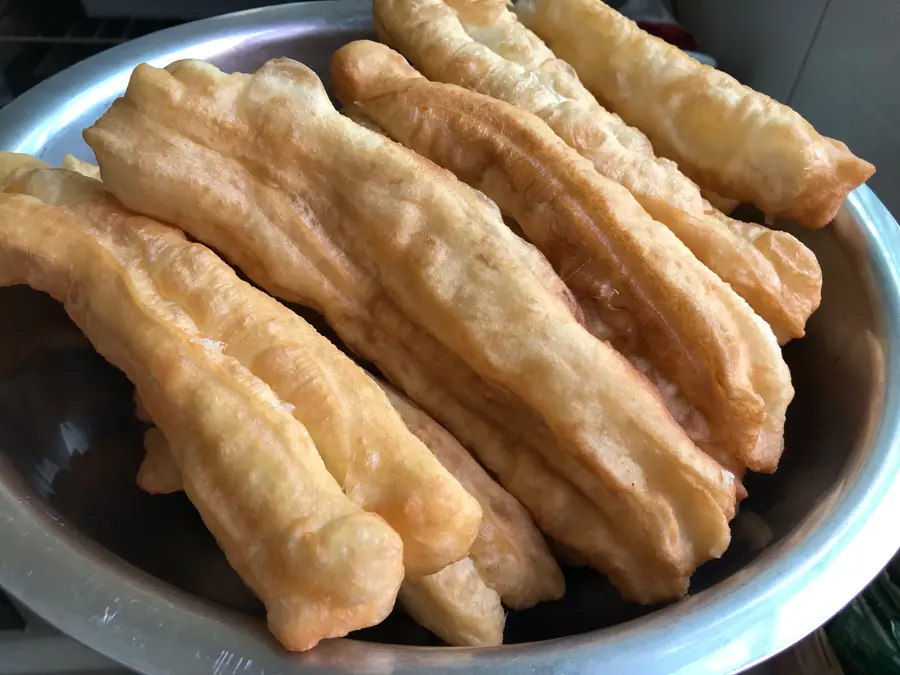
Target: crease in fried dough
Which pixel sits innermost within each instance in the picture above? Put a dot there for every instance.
(726, 136)
(455, 603)
(481, 46)
(416, 270)
(365, 445)
(716, 363)
(321, 565)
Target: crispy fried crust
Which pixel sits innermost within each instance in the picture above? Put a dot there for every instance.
(726, 136)
(639, 286)
(322, 565)
(418, 273)
(481, 46)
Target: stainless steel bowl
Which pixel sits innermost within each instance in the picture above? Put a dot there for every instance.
(138, 578)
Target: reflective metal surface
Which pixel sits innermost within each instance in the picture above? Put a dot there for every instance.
(138, 578)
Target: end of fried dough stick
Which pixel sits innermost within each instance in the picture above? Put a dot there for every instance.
(455, 603)
(321, 565)
(72, 163)
(480, 45)
(509, 552)
(726, 136)
(716, 363)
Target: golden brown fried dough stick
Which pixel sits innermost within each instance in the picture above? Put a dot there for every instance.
(726, 136)
(484, 48)
(408, 263)
(455, 603)
(364, 443)
(638, 285)
(321, 565)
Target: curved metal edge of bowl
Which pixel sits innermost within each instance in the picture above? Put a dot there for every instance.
(149, 626)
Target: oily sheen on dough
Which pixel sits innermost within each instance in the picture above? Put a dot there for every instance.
(418, 273)
(321, 565)
(726, 136)
(479, 44)
(716, 363)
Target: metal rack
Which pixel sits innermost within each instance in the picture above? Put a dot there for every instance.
(38, 38)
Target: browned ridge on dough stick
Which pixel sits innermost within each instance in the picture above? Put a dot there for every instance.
(322, 566)
(715, 362)
(726, 136)
(418, 273)
(480, 45)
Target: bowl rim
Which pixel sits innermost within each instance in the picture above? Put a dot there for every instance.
(142, 622)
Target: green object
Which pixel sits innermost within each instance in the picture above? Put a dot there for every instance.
(865, 636)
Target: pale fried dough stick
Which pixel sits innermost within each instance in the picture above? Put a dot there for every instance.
(321, 565)
(639, 286)
(454, 603)
(726, 136)
(486, 49)
(72, 163)
(408, 263)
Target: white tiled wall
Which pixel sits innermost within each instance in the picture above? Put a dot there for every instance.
(836, 61)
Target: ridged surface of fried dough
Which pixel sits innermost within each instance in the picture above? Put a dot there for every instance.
(479, 44)
(454, 603)
(321, 565)
(726, 136)
(407, 262)
(509, 553)
(716, 363)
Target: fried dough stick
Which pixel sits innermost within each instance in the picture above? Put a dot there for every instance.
(639, 286)
(417, 272)
(726, 136)
(461, 603)
(366, 446)
(484, 48)
(321, 565)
